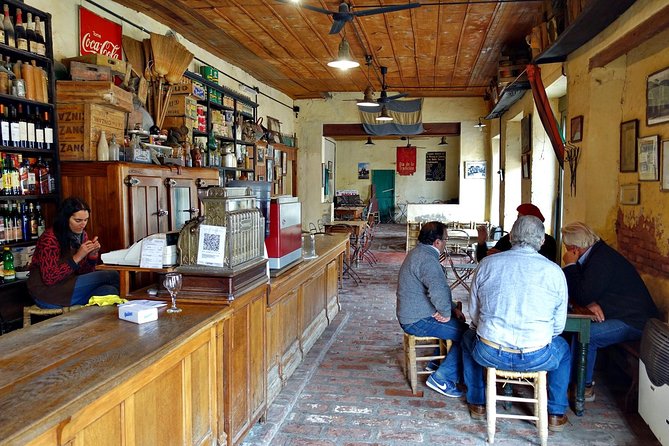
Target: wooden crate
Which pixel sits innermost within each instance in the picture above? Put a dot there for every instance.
(79, 127)
(95, 92)
(80, 71)
(117, 66)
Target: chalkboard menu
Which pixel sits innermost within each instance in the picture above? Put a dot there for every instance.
(435, 166)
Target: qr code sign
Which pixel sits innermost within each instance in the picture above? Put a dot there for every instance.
(211, 242)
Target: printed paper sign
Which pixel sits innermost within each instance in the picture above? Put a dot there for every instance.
(152, 252)
(211, 246)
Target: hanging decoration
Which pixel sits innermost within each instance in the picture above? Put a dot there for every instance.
(572, 154)
(407, 118)
(406, 160)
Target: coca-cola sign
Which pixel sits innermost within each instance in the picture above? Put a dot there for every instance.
(98, 35)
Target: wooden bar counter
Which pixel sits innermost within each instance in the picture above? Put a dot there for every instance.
(202, 376)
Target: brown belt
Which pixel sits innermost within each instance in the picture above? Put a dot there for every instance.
(508, 349)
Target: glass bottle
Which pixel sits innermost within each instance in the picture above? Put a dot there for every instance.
(25, 221)
(30, 33)
(114, 149)
(34, 222)
(20, 30)
(41, 227)
(41, 43)
(4, 125)
(10, 36)
(48, 131)
(16, 222)
(41, 177)
(9, 274)
(103, 147)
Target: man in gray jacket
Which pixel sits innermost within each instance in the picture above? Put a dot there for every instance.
(425, 308)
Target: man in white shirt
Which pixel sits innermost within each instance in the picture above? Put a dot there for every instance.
(518, 307)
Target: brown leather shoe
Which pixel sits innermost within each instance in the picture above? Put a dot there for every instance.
(556, 423)
(477, 411)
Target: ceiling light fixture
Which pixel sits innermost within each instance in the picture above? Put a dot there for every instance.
(368, 99)
(443, 141)
(480, 125)
(369, 141)
(344, 61)
(384, 116)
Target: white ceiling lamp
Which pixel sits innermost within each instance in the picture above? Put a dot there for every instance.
(384, 116)
(344, 60)
(443, 141)
(479, 125)
(368, 99)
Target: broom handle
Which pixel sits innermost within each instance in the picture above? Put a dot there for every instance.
(165, 107)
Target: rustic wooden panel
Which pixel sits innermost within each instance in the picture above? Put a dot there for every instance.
(105, 431)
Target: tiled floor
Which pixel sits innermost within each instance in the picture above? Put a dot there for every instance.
(351, 390)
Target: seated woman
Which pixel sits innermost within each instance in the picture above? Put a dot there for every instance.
(62, 271)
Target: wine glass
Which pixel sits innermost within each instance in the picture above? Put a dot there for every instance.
(172, 284)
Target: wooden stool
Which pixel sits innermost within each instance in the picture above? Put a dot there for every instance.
(411, 359)
(540, 401)
(34, 310)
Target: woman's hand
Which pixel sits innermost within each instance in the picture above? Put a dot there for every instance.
(89, 248)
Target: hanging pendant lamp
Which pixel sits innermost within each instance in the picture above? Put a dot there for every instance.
(344, 60)
(443, 141)
(369, 141)
(384, 116)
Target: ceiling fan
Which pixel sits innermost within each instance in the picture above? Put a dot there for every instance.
(368, 100)
(344, 14)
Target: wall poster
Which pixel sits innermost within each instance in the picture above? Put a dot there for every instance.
(435, 166)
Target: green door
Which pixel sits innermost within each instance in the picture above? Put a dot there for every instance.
(384, 185)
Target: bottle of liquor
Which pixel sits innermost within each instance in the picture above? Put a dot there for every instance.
(16, 222)
(48, 132)
(9, 274)
(30, 33)
(9, 227)
(23, 126)
(23, 175)
(25, 221)
(4, 125)
(16, 179)
(30, 123)
(39, 35)
(3, 233)
(6, 178)
(20, 30)
(34, 223)
(14, 129)
(41, 177)
(10, 37)
(2, 31)
(32, 179)
(39, 129)
(41, 226)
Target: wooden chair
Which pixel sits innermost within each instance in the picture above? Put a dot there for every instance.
(414, 363)
(34, 310)
(537, 380)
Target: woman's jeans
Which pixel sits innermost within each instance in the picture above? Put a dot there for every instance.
(96, 283)
(555, 358)
(450, 368)
(603, 334)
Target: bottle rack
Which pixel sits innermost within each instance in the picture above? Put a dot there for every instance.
(47, 201)
(226, 173)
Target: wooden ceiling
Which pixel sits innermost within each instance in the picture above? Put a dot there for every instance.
(442, 48)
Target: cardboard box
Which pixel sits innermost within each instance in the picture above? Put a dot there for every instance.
(79, 127)
(194, 89)
(182, 105)
(137, 313)
(94, 92)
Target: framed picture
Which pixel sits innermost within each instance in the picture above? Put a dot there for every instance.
(657, 97)
(664, 183)
(649, 158)
(270, 170)
(576, 129)
(363, 171)
(284, 163)
(475, 169)
(260, 154)
(273, 125)
(330, 169)
(269, 153)
(629, 132)
(526, 134)
(629, 194)
(527, 165)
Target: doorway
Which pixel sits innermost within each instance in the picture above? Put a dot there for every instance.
(383, 182)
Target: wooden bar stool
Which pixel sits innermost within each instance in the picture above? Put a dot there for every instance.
(34, 310)
(427, 344)
(537, 380)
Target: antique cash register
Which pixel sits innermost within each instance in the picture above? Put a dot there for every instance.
(221, 251)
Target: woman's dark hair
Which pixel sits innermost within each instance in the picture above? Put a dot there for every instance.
(432, 231)
(61, 224)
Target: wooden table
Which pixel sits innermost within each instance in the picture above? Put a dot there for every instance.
(124, 274)
(349, 212)
(356, 226)
(578, 321)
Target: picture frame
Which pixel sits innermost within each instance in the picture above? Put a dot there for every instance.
(649, 158)
(657, 97)
(363, 171)
(270, 170)
(273, 125)
(475, 169)
(526, 161)
(664, 173)
(629, 194)
(629, 132)
(576, 129)
(526, 134)
(330, 169)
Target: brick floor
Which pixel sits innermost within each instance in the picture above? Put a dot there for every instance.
(351, 390)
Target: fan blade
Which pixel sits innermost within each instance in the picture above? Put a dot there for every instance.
(337, 25)
(312, 8)
(397, 96)
(384, 9)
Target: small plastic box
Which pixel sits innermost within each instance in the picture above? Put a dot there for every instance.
(137, 313)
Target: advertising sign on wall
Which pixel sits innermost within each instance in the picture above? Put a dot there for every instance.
(98, 35)
(406, 160)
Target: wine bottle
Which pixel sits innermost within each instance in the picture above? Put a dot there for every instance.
(6, 178)
(20, 30)
(48, 132)
(10, 36)
(15, 179)
(32, 218)
(30, 122)
(32, 182)
(2, 39)
(4, 125)
(39, 129)
(41, 226)
(23, 127)
(24, 166)
(14, 129)
(25, 221)
(30, 33)
(3, 233)
(16, 222)
(39, 35)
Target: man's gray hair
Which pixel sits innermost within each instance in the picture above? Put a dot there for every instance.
(579, 234)
(528, 230)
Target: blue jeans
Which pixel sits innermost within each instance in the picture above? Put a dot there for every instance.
(555, 358)
(96, 283)
(450, 368)
(603, 334)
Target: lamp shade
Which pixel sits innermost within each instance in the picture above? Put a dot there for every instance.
(368, 100)
(443, 141)
(479, 125)
(344, 61)
(369, 141)
(384, 116)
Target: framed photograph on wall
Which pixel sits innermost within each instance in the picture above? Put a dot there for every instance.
(475, 169)
(260, 154)
(526, 160)
(576, 128)
(629, 132)
(657, 97)
(629, 194)
(664, 183)
(649, 158)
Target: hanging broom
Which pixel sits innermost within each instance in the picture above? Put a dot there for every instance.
(181, 59)
(161, 48)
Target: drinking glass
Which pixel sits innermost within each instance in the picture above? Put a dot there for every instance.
(172, 284)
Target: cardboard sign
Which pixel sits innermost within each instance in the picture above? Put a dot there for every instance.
(98, 35)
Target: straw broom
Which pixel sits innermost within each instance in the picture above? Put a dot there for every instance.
(181, 59)
(161, 47)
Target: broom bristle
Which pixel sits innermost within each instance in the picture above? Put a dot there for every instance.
(162, 48)
(180, 62)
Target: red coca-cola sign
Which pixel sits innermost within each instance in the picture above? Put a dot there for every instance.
(98, 35)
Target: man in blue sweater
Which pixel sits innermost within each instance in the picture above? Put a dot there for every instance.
(425, 307)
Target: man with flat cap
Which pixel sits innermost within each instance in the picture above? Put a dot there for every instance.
(548, 249)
